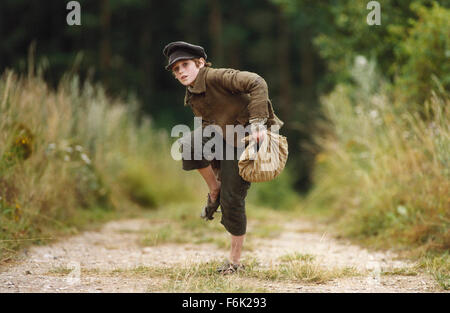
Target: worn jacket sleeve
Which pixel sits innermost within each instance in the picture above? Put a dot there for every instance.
(245, 82)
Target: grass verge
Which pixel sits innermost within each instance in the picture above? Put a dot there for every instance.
(383, 177)
(202, 277)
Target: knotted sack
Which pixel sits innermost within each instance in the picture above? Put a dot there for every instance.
(265, 163)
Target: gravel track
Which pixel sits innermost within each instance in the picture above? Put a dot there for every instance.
(116, 246)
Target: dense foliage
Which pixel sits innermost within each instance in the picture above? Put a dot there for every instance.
(302, 49)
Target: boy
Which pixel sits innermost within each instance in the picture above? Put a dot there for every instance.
(222, 97)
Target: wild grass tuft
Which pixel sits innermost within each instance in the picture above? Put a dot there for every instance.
(60, 271)
(383, 176)
(300, 268)
(438, 265)
(71, 156)
(203, 277)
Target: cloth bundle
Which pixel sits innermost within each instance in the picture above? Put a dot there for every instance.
(265, 163)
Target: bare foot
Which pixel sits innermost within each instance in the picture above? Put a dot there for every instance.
(215, 192)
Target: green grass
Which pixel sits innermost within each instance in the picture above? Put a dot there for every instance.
(400, 272)
(267, 230)
(180, 223)
(163, 234)
(438, 265)
(16, 236)
(202, 277)
(72, 156)
(302, 268)
(304, 272)
(297, 257)
(383, 176)
(60, 271)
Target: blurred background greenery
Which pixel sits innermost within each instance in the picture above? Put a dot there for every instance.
(86, 111)
(302, 48)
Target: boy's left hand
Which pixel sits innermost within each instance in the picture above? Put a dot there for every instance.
(259, 135)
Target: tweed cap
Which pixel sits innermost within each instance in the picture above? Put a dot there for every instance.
(180, 50)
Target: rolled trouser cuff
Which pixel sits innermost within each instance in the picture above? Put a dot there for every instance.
(235, 222)
(234, 218)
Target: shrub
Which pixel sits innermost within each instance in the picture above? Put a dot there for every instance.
(424, 55)
(384, 173)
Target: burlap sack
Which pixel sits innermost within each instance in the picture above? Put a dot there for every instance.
(267, 162)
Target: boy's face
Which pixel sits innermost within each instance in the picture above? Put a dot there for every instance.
(185, 71)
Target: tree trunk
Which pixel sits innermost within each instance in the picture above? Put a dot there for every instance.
(215, 31)
(307, 75)
(105, 41)
(285, 101)
(146, 53)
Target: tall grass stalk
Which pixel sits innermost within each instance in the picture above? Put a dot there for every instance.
(73, 150)
(384, 173)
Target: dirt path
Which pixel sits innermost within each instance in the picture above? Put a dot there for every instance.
(76, 264)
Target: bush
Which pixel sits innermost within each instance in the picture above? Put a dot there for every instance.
(69, 154)
(384, 173)
(424, 55)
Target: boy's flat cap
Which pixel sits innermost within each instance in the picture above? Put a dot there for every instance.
(180, 50)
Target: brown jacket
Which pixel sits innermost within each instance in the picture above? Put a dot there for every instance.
(230, 97)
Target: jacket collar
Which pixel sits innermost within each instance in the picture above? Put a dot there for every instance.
(200, 82)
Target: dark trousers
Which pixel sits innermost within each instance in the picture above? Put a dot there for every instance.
(233, 188)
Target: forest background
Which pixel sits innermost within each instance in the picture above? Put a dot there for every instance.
(86, 111)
